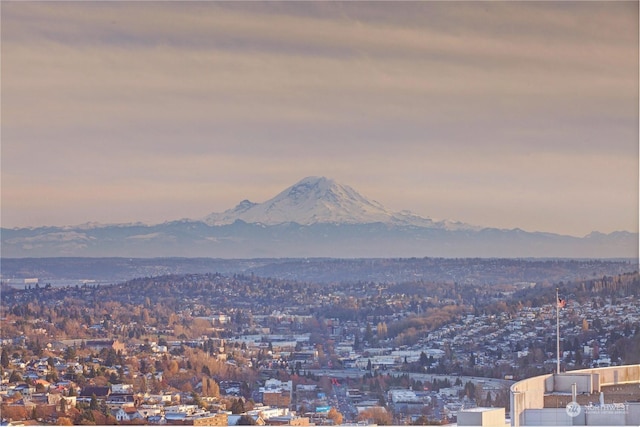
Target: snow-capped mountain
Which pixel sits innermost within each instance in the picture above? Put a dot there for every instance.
(316, 217)
(320, 200)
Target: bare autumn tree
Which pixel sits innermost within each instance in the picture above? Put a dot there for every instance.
(376, 415)
(335, 416)
(173, 367)
(64, 421)
(14, 412)
(210, 387)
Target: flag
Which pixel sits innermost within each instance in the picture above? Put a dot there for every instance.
(561, 302)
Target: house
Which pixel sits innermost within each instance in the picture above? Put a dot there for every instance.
(121, 388)
(278, 398)
(126, 413)
(277, 393)
(165, 397)
(289, 420)
(101, 393)
(24, 389)
(305, 358)
(115, 400)
(207, 419)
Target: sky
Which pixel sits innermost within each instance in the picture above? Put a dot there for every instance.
(501, 114)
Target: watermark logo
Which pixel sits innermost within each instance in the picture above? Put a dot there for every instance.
(573, 409)
(607, 409)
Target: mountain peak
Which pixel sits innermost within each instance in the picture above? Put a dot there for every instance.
(311, 200)
(320, 200)
(311, 186)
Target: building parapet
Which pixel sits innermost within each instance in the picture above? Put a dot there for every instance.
(529, 394)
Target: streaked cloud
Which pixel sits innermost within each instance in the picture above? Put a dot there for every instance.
(503, 114)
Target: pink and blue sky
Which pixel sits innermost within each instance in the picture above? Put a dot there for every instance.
(503, 114)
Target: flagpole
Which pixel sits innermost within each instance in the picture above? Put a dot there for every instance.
(557, 332)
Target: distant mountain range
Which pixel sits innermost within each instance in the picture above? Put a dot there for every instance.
(316, 217)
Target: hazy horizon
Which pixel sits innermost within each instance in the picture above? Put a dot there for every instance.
(507, 115)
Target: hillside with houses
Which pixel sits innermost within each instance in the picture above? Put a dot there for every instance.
(214, 349)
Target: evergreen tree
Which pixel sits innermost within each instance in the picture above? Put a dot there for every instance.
(237, 407)
(15, 377)
(93, 404)
(88, 415)
(246, 420)
(197, 400)
(424, 360)
(368, 335)
(4, 358)
(70, 353)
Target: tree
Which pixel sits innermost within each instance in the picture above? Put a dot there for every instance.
(93, 404)
(578, 357)
(470, 390)
(64, 421)
(423, 420)
(356, 342)
(174, 367)
(368, 335)
(376, 415)
(210, 387)
(246, 420)
(381, 330)
(197, 400)
(488, 402)
(70, 353)
(424, 360)
(15, 377)
(237, 407)
(335, 416)
(4, 358)
(15, 412)
(88, 415)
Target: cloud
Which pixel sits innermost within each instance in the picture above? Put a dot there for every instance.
(159, 97)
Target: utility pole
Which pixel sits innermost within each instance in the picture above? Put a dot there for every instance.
(557, 331)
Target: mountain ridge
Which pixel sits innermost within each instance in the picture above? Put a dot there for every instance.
(316, 217)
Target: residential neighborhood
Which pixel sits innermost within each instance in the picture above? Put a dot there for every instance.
(197, 351)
